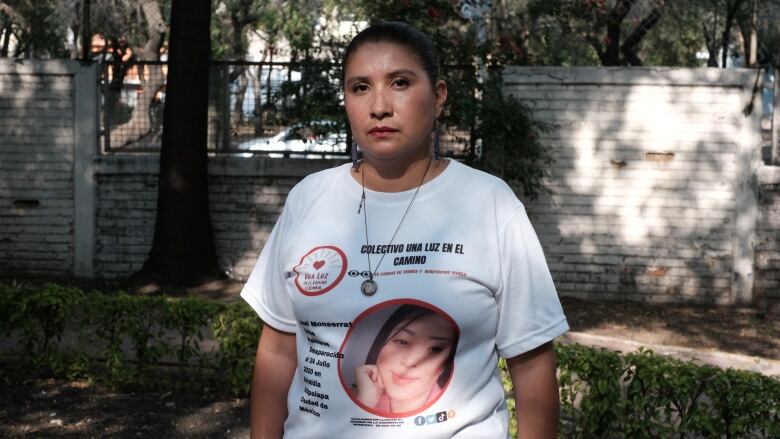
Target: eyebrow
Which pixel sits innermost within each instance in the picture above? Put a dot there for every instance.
(399, 72)
(435, 337)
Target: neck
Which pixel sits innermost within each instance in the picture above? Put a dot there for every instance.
(386, 177)
(406, 405)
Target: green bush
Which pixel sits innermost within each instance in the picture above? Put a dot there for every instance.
(141, 342)
(127, 341)
(39, 317)
(645, 395)
(237, 329)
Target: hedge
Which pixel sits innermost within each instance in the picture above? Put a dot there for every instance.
(128, 341)
(154, 342)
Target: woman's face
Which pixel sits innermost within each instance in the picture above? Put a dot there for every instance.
(412, 360)
(390, 102)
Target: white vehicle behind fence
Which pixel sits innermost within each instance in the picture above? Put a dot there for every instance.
(295, 141)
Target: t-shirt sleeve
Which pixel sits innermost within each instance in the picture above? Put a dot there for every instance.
(530, 313)
(265, 290)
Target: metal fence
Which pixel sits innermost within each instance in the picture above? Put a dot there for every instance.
(255, 108)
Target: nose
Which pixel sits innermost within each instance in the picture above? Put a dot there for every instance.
(414, 357)
(380, 105)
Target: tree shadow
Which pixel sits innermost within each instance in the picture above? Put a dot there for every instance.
(36, 170)
(645, 185)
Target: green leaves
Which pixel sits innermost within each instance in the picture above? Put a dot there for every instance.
(646, 395)
(131, 342)
(127, 341)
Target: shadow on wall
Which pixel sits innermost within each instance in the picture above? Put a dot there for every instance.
(36, 168)
(645, 189)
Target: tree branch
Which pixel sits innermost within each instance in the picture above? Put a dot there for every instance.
(630, 44)
(155, 25)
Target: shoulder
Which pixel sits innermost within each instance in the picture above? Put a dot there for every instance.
(316, 184)
(487, 187)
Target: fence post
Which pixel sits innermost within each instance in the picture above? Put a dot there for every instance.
(775, 149)
(105, 106)
(225, 140)
(85, 141)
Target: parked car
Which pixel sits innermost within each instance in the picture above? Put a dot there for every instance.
(299, 138)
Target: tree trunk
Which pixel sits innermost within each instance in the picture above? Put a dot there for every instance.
(237, 118)
(712, 46)
(731, 13)
(632, 42)
(152, 80)
(612, 44)
(76, 49)
(183, 251)
(753, 50)
(6, 35)
(257, 113)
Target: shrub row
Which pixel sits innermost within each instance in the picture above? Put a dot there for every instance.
(646, 395)
(147, 342)
(128, 341)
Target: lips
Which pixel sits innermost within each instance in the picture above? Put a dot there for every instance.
(403, 380)
(382, 131)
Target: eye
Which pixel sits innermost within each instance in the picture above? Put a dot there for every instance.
(359, 87)
(437, 349)
(400, 341)
(400, 82)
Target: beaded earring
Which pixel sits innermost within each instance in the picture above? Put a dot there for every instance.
(436, 139)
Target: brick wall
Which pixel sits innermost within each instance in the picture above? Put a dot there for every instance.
(245, 195)
(36, 170)
(647, 179)
(657, 191)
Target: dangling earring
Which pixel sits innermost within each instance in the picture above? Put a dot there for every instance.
(436, 139)
(354, 154)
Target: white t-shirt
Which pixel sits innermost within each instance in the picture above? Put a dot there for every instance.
(464, 281)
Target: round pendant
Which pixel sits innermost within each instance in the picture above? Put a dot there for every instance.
(368, 287)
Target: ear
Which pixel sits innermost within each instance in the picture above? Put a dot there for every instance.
(441, 96)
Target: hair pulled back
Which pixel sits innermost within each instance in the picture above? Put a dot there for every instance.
(402, 34)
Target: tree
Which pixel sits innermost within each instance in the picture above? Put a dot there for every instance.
(36, 25)
(183, 251)
(613, 30)
(233, 20)
(125, 56)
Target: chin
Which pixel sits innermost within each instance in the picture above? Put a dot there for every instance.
(403, 395)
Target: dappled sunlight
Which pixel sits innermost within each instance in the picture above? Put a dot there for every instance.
(645, 184)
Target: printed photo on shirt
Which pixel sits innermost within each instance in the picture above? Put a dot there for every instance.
(398, 357)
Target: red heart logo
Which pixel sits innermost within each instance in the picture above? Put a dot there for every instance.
(318, 264)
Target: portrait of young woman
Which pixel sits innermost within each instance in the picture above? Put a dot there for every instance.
(408, 363)
(439, 257)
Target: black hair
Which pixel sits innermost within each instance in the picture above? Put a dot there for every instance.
(400, 33)
(403, 317)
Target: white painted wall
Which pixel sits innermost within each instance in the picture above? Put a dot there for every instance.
(652, 195)
(47, 120)
(657, 192)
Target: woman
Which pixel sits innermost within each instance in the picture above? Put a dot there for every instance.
(409, 362)
(421, 230)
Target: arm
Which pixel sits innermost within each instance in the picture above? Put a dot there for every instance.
(275, 364)
(536, 392)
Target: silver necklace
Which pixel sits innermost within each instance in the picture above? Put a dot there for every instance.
(369, 286)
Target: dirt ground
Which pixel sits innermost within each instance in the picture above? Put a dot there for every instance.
(59, 409)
